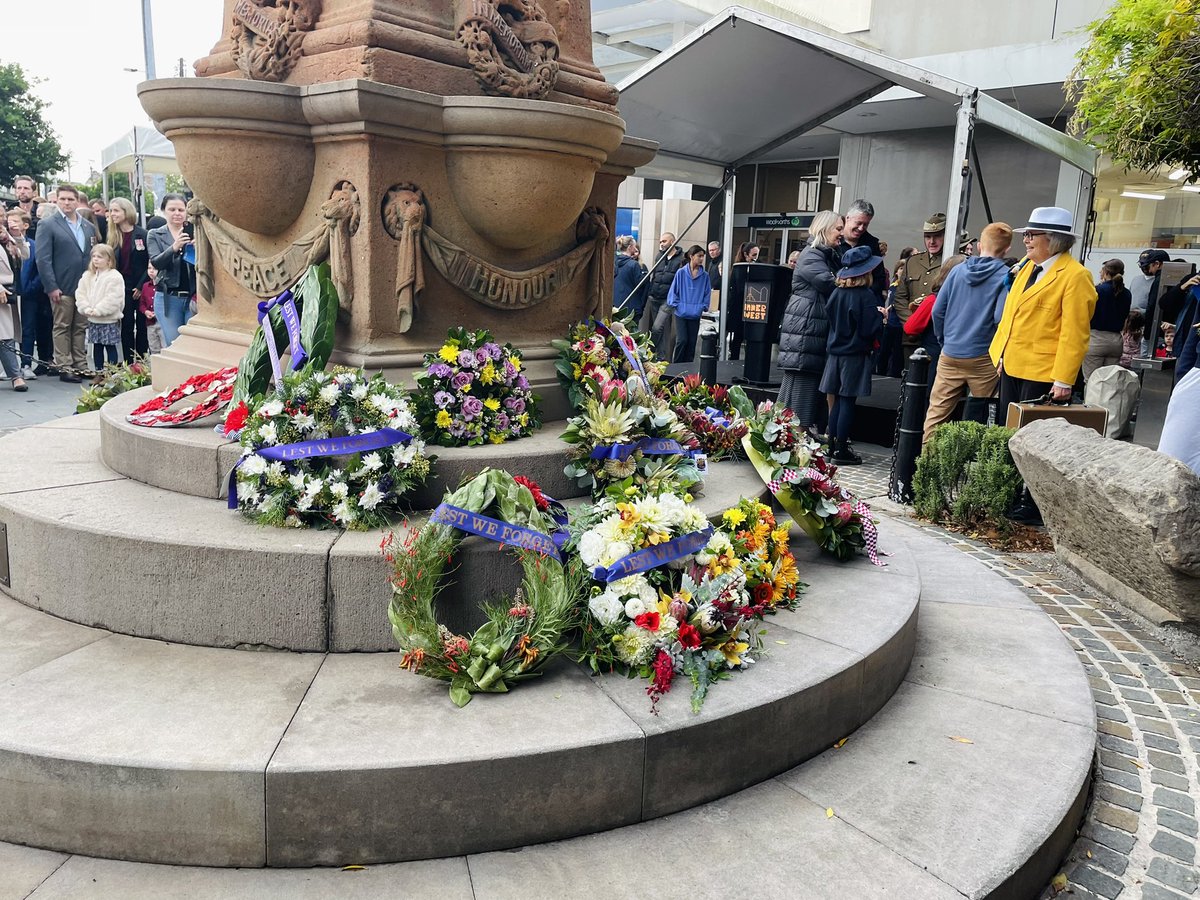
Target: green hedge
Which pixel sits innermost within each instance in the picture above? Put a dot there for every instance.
(965, 475)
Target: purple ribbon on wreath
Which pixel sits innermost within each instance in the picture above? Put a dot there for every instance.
(356, 443)
(291, 320)
(717, 417)
(653, 557)
(494, 529)
(860, 509)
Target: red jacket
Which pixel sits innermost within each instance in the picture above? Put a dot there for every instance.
(921, 317)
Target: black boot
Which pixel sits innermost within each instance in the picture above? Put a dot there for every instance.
(844, 455)
(1026, 511)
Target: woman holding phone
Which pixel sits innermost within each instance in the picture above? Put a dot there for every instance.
(176, 276)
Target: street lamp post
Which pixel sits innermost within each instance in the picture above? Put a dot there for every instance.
(148, 39)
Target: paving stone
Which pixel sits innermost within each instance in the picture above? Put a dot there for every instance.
(1173, 800)
(24, 868)
(1174, 697)
(1157, 892)
(1109, 859)
(1173, 845)
(1117, 669)
(1189, 727)
(1167, 761)
(1173, 875)
(1118, 745)
(1118, 840)
(1104, 697)
(1177, 821)
(1166, 779)
(1111, 713)
(1127, 680)
(1117, 761)
(1158, 742)
(1122, 779)
(1155, 725)
(1119, 797)
(1096, 881)
(1107, 726)
(1139, 696)
(1125, 819)
(1147, 709)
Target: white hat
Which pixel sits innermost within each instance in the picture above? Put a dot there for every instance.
(1054, 219)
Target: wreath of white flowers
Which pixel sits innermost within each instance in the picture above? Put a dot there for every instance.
(354, 490)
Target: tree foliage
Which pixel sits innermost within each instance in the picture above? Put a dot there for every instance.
(1136, 84)
(28, 145)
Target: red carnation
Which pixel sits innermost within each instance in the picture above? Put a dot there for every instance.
(539, 498)
(689, 636)
(648, 620)
(236, 420)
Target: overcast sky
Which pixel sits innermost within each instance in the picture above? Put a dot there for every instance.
(93, 101)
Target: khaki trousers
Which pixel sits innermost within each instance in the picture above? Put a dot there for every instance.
(953, 376)
(1104, 349)
(70, 327)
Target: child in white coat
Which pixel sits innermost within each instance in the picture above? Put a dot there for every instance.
(101, 297)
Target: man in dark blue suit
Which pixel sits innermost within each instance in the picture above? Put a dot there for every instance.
(64, 246)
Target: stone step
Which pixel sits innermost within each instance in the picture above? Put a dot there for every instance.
(113, 552)
(193, 459)
(968, 783)
(125, 747)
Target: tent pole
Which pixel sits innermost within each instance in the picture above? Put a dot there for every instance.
(960, 166)
(727, 255)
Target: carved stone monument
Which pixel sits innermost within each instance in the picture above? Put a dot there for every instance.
(456, 162)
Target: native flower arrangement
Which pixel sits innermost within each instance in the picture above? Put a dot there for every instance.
(802, 478)
(326, 449)
(706, 411)
(472, 392)
(668, 595)
(625, 437)
(115, 378)
(761, 547)
(596, 354)
(523, 632)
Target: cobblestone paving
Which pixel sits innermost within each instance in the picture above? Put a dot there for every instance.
(1139, 837)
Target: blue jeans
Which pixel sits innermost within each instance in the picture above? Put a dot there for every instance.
(8, 359)
(172, 312)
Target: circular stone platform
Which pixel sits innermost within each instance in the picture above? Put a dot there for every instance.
(114, 552)
(193, 459)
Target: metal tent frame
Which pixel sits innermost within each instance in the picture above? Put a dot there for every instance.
(709, 123)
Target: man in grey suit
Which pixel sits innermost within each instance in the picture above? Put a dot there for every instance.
(64, 247)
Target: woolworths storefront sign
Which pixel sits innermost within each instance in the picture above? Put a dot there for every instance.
(778, 221)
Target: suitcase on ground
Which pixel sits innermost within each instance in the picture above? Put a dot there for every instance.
(1021, 414)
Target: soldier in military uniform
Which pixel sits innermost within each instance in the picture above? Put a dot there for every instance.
(920, 271)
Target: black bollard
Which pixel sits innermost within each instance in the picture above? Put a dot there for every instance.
(914, 399)
(708, 357)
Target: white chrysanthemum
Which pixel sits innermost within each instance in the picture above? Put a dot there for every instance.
(634, 645)
(271, 408)
(674, 510)
(268, 434)
(614, 551)
(693, 520)
(297, 481)
(330, 392)
(611, 529)
(606, 608)
(345, 378)
(248, 495)
(304, 422)
(339, 489)
(371, 497)
(652, 513)
(319, 377)
(314, 486)
(305, 502)
(359, 391)
(406, 421)
(343, 512)
(381, 402)
(591, 548)
(403, 454)
(253, 465)
(275, 473)
(635, 606)
(372, 461)
(636, 586)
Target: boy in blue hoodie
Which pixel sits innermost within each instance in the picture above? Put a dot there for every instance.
(965, 315)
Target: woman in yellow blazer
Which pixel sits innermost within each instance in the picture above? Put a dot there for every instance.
(1043, 333)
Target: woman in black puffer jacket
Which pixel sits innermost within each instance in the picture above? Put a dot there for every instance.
(805, 324)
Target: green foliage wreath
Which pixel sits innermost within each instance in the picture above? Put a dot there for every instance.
(521, 635)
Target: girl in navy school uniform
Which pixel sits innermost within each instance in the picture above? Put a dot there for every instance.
(855, 326)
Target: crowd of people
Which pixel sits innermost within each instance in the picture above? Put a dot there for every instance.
(76, 273)
(995, 324)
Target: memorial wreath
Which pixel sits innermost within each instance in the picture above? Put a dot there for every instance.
(326, 448)
(522, 634)
(600, 353)
(473, 392)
